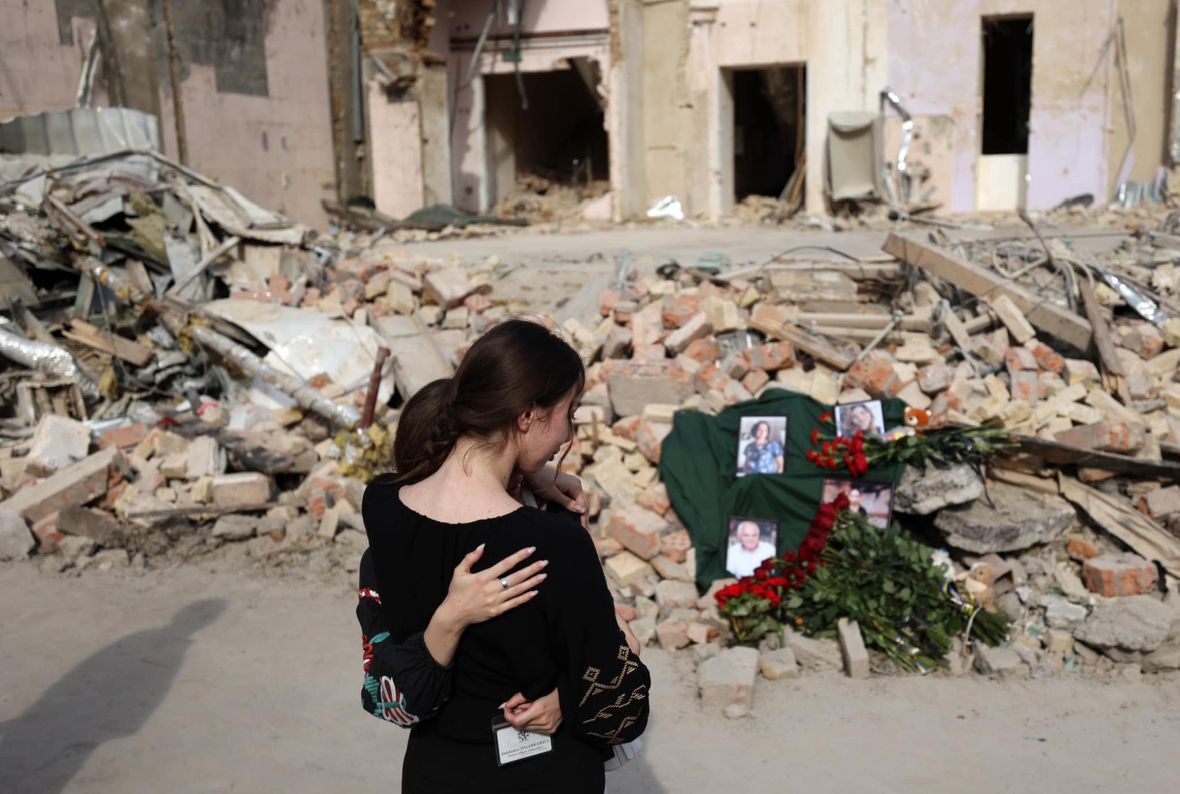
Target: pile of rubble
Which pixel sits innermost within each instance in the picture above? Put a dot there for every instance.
(192, 373)
(184, 369)
(1068, 536)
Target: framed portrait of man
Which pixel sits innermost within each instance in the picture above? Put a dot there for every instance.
(751, 542)
(867, 417)
(762, 445)
(873, 500)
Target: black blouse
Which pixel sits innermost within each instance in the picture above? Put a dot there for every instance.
(566, 637)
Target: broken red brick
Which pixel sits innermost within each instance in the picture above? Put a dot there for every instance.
(874, 373)
(1048, 359)
(627, 427)
(1114, 575)
(48, 536)
(1025, 386)
(1080, 549)
(123, 437)
(678, 309)
(754, 381)
(607, 300)
(1018, 359)
(1112, 436)
(675, 546)
(703, 350)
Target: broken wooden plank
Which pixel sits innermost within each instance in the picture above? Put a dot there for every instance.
(1145, 537)
(1066, 454)
(1048, 317)
(1107, 354)
(774, 322)
(108, 342)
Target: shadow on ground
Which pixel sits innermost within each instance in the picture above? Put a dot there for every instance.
(107, 696)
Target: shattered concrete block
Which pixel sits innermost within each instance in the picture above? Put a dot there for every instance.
(735, 365)
(446, 287)
(1134, 623)
(676, 545)
(701, 633)
(205, 458)
(755, 380)
(697, 327)
(913, 396)
(655, 498)
(814, 654)
(174, 466)
(1020, 359)
(778, 664)
(241, 489)
(1061, 613)
(57, 442)
(638, 529)
(676, 594)
(16, 541)
(634, 385)
(235, 527)
(724, 315)
(930, 489)
(1079, 370)
(625, 569)
(672, 634)
(668, 568)
(1143, 339)
(1161, 502)
(1114, 575)
(1016, 519)
(933, 378)
(852, 646)
(74, 485)
(728, 678)
(1002, 663)
(1113, 436)
(400, 299)
(650, 438)
(1013, 319)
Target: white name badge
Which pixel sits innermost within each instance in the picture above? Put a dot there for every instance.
(515, 745)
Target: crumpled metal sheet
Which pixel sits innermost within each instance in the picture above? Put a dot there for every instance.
(1147, 308)
(44, 357)
(81, 131)
(306, 343)
(238, 216)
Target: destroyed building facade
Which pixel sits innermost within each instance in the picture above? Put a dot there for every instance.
(405, 104)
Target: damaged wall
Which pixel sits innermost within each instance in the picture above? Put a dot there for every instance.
(1075, 96)
(254, 80)
(1148, 26)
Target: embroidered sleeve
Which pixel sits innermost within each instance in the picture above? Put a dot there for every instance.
(604, 691)
(403, 684)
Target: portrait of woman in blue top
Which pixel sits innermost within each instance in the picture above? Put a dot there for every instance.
(764, 453)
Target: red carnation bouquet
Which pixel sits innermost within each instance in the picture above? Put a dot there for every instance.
(753, 603)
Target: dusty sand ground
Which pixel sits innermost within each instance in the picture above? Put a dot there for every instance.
(202, 679)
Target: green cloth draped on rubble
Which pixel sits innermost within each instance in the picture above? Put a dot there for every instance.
(698, 462)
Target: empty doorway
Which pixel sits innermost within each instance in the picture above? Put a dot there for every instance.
(549, 126)
(769, 117)
(1007, 46)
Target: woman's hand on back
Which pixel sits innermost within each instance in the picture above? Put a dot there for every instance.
(542, 715)
(476, 597)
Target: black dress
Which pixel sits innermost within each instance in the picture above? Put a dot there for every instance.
(566, 637)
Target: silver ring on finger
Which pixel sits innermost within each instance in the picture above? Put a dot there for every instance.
(504, 582)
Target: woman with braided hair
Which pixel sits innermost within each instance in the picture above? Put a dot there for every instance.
(508, 409)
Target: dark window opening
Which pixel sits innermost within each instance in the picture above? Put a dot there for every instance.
(769, 108)
(1007, 84)
(561, 134)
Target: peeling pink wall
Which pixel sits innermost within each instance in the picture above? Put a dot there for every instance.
(36, 72)
(225, 131)
(935, 66)
(294, 171)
